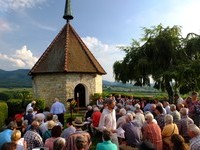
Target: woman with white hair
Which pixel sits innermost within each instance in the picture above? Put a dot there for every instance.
(57, 122)
(152, 132)
(169, 129)
(194, 133)
(184, 123)
(122, 119)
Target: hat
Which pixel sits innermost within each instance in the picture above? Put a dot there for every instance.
(78, 122)
(50, 124)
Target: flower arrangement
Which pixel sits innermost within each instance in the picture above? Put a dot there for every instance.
(71, 106)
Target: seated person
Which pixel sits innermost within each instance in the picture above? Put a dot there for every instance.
(106, 144)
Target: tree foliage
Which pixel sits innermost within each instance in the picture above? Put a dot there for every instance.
(163, 54)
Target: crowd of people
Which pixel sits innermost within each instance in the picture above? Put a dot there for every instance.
(124, 123)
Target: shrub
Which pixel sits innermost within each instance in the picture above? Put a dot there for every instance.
(4, 96)
(14, 106)
(19, 105)
(3, 113)
(40, 103)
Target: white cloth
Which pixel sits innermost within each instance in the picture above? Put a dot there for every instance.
(107, 120)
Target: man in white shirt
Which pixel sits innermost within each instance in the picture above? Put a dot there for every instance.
(58, 109)
(30, 105)
(108, 120)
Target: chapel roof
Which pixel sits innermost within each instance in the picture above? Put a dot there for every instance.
(67, 54)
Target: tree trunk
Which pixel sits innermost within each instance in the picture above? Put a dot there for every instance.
(170, 92)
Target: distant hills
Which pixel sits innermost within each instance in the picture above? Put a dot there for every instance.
(20, 79)
(15, 79)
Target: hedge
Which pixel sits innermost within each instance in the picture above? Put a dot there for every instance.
(3, 113)
(19, 105)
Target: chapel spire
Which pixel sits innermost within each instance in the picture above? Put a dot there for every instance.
(68, 13)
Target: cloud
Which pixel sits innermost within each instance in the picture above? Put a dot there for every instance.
(4, 26)
(106, 54)
(6, 5)
(186, 15)
(41, 26)
(21, 59)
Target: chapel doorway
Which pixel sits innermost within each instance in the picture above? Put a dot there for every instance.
(79, 95)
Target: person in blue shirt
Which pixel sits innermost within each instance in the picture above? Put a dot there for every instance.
(58, 109)
(106, 144)
(5, 136)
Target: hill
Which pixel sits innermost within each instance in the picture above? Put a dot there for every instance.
(20, 79)
(127, 88)
(15, 79)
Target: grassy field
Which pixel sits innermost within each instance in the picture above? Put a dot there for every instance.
(15, 89)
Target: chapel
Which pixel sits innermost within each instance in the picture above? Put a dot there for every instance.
(67, 68)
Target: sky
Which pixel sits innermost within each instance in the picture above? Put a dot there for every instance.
(27, 27)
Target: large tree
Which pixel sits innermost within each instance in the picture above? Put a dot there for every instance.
(165, 56)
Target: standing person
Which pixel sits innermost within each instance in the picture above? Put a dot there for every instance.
(58, 109)
(30, 105)
(108, 120)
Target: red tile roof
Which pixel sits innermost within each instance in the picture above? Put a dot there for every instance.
(67, 53)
